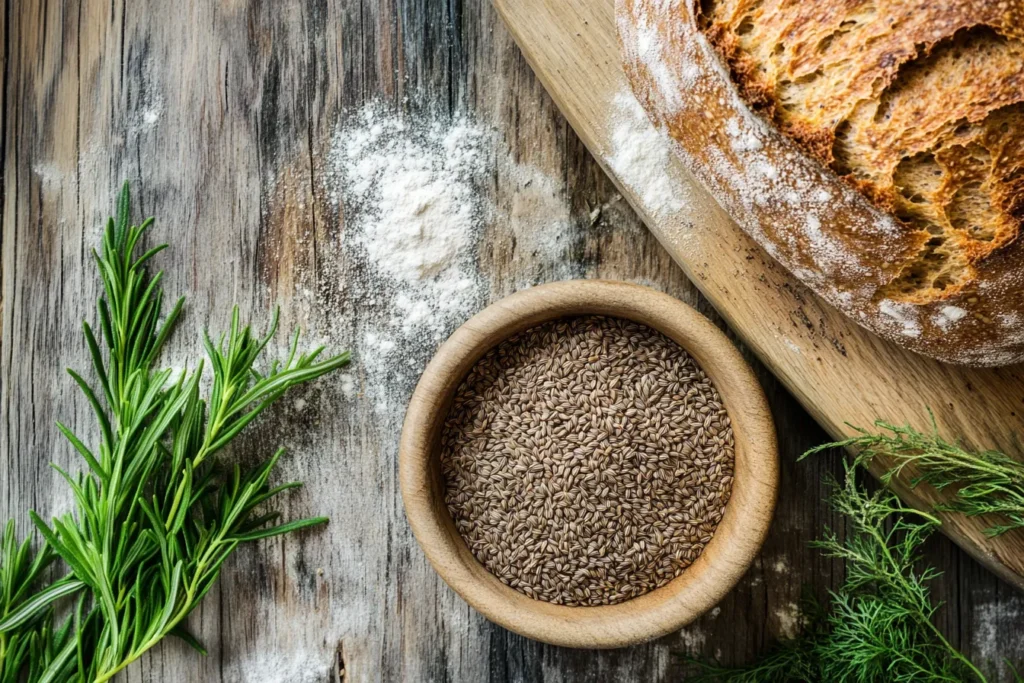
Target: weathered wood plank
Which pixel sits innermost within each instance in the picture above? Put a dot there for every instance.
(222, 115)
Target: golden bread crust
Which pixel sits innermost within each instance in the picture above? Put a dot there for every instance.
(918, 106)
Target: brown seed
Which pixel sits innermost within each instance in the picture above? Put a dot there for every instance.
(587, 461)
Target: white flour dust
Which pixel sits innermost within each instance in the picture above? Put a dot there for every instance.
(641, 158)
(901, 315)
(275, 667)
(536, 213)
(415, 193)
(692, 639)
(415, 206)
(789, 620)
(948, 316)
(995, 625)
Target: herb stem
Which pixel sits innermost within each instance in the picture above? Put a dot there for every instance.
(157, 515)
(980, 482)
(879, 625)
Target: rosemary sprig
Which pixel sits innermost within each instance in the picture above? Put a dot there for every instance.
(156, 513)
(982, 482)
(880, 622)
(20, 573)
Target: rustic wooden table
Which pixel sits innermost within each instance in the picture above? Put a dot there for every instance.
(223, 115)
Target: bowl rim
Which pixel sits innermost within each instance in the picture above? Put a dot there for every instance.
(724, 560)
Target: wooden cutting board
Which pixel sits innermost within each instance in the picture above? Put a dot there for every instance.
(839, 372)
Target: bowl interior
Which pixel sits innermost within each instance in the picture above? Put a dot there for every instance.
(724, 559)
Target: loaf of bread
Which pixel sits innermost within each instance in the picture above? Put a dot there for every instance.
(875, 148)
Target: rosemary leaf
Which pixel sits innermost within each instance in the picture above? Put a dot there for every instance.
(157, 513)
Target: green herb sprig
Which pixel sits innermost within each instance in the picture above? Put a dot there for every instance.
(984, 482)
(879, 625)
(156, 513)
(20, 574)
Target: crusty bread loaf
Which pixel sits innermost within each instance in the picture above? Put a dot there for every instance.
(918, 106)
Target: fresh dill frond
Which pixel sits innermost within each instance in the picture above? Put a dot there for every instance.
(881, 620)
(879, 625)
(985, 482)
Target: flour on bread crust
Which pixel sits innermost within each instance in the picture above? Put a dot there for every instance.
(829, 235)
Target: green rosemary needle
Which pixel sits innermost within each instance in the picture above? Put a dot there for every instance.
(156, 512)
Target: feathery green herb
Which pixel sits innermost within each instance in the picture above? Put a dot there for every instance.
(156, 514)
(879, 626)
(981, 482)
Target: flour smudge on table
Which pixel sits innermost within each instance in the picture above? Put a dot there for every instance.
(993, 636)
(283, 666)
(415, 193)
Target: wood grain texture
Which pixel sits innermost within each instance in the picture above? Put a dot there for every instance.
(221, 115)
(840, 372)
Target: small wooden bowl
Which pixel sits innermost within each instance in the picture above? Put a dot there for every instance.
(725, 558)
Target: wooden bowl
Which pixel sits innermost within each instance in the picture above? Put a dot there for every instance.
(716, 570)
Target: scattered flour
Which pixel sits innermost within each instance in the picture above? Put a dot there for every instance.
(789, 620)
(50, 175)
(692, 639)
(147, 117)
(995, 631)
(415, 196)
(641, 158)
(832, 256)
(409, 191)
(416, 192)
(740, 140)
(1009, 319)
(948, 315)
(276, 667)
(905, 316)
(537, 213)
